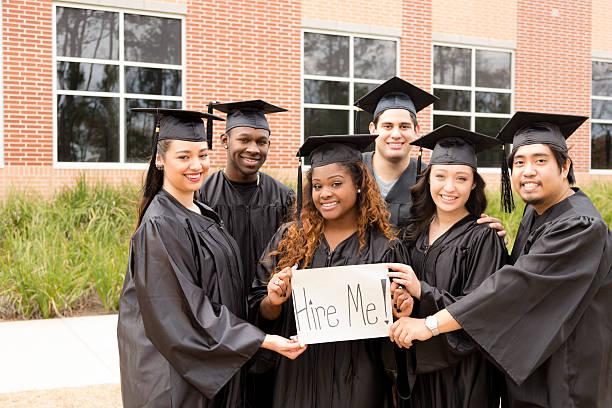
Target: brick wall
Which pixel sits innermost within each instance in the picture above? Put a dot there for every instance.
(486, 19)
(382, 13)
(601, 32)
(416, 54)
(241, 49)
(27, 69)
(553, 64)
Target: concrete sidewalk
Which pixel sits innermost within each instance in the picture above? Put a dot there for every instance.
(57, 353)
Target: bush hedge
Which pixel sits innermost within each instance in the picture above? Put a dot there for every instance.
(67, 254)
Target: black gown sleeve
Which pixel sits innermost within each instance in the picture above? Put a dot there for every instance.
(204, 342)
(540, 298)
(484, 256)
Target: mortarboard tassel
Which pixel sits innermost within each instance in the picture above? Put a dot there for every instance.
(356, 126)
(419, 161)
(209, 127)
(149, 188)
(507, 200)
(299, 196)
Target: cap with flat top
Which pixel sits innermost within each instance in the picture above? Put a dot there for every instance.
(328, 149)
(247, 113)
(525, 128)
(395, 94)
(179, 124)
(175, 124)
(454, 145)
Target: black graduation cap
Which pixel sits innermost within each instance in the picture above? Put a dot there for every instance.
(454, 145)
(395, 94)
(328, 149)
(175, 124)
(178, 124)
(247, 113)
(526, 128)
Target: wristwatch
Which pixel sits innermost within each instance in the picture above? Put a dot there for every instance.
(432, 324)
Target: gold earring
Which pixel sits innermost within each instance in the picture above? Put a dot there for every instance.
(225, 146)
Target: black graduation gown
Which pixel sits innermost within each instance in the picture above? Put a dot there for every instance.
(182, 340)
(399, 199)
(449, 371)
(546, 319)
(251, 224)
(355, 374)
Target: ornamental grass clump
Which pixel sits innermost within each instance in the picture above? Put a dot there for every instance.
(67, 255)
(64, 254)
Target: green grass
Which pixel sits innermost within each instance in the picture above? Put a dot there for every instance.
(67, 253)
(599, 193)
(62, 253)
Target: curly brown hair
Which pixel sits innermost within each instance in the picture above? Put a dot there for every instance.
(299, 245)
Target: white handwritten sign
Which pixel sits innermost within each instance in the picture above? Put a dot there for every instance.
(341, 303)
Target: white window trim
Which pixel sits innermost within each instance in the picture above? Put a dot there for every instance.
(598, 121)
(473, 89)
(351, 80)
(121, 95)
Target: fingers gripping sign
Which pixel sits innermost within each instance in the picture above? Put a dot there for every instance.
(403, 275)
(279, 286)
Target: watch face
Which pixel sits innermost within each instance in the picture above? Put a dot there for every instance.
(432, 324)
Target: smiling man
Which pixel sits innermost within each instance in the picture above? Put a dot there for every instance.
(394, 105)
(251, 204)
(544, 319)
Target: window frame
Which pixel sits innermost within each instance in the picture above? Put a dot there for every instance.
(473, 89)
(597, 121)
(351, 79)
(121, 63)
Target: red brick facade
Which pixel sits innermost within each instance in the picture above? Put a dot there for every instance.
(553, 65)
(237, 49)
(28, 82)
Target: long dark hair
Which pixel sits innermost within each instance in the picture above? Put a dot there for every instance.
(299, 245)
(423, 207)
(154, 180)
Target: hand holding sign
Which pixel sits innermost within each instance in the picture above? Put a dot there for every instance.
(405, 276)
(279, 286)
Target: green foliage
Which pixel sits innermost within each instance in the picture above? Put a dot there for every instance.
(58, 254)
(599, 193)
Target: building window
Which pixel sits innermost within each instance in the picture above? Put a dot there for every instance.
(601, 115)
(106, 62)
(339, 69)
(475, 90)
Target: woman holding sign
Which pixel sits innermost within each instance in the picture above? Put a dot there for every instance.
(344, 222)
(451, 255)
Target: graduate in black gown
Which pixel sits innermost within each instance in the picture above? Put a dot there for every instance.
(251, 204)
(181, 334)
(394, 105)
(344, 222)
(545, 319)
(449, 255)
